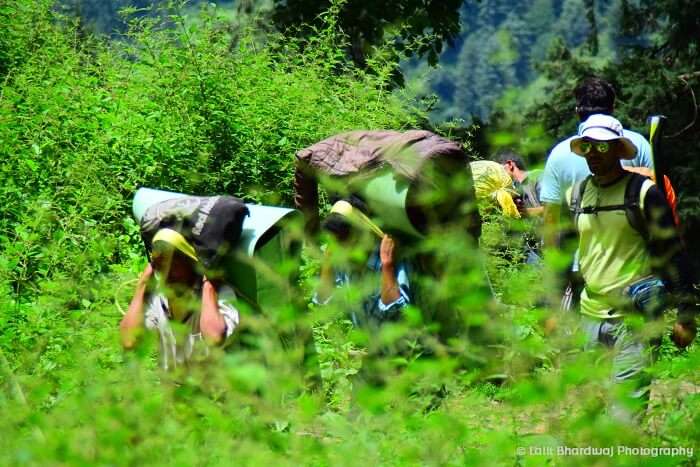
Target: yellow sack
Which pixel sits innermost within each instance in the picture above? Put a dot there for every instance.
(492, 183)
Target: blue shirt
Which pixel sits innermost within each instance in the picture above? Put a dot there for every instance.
(373, 309)
(564, 168)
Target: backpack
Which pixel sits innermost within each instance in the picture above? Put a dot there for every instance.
(632, 203)
(212, 224)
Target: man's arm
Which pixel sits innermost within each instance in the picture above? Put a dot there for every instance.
(535, 212)
(211, 323)
(670, 261)
(395, 292)
(131, 325)
(550, 196)
(390, 287)
(551, 225)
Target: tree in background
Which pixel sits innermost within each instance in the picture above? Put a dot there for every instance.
(412, 26)
(503, 44)
(103, 16)
(662, 76)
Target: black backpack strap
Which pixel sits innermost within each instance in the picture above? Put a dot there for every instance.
(577, 192)
(596, 209)
(633, 205)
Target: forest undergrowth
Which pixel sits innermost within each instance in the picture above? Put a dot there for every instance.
(181, 105)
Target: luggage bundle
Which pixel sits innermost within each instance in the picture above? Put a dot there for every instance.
(231, 239)
(493, 184)
(410, 181)
(211, 224)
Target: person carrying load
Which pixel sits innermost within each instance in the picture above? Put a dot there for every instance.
(374, 259)
(365, 279)
(181, 293)
(174, 288)
(526, 183)
(630, 254)
(215, 260)
(413, 185)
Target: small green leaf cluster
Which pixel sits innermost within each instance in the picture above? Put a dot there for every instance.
(179, 105)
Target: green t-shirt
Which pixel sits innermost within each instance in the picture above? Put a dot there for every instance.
(612, 254)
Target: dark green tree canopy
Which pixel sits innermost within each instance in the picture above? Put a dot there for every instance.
(418, 27)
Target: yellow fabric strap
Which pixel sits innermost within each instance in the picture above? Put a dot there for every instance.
(175, 240)
(346, 209)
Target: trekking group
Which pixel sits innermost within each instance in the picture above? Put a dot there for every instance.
(599, 200)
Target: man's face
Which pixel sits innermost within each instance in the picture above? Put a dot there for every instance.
(174, 268)
(510, 168)
(601, 156)
(351, 251)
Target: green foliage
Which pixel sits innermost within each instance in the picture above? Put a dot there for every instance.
(86, 123)
(23, 31)
(502, 44)
(387, 31)
(410, 26)
(83, 123)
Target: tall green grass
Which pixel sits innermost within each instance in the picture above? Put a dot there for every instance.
(180, 105)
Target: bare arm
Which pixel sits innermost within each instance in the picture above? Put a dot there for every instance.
(131, 325)
(551, 228)
(390, 287)
(535, 212)
(211, 322)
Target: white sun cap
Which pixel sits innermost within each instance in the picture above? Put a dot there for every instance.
(600, 127)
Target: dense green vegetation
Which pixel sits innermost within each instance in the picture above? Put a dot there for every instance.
(483, 48)
(84, 122)
(502, 43)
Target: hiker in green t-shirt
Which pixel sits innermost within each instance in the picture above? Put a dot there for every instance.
(527, 184)
(630, 255)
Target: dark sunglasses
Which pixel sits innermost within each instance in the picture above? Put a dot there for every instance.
(600, 148)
